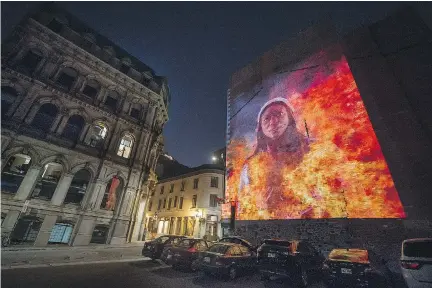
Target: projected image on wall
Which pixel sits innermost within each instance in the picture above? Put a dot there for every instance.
(302, 147)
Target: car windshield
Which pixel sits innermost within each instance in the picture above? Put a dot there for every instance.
(161, 239)
(277, 242)
(221, 249)
(186, 243)
(418, 249)
(350, 255)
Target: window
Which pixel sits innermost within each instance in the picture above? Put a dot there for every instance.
(214, 182)
(124, 68)
(73, 128)
(135, 113)
(150, 205)
(194, 201)
(164, 203)
(55, 25)
(112, 194)
(213, 200)
(13, 173)
(91, 89)
(78, 187)
(45, 117)
(96, 135)
(175, 201)
(159, 204)
(152, 192)
(196, 183)
(112, 100)
(100, 234)
(8, 97)
(31, 61)
(171, 188)
(162, 190)
(181, 203)
(47, 184)
(67, 78)
(125, 147)
(183, 183)
(61, 233)
(26, 230)
(169, 203)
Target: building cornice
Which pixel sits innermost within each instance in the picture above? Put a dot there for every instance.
(97, 64)
(193, 173)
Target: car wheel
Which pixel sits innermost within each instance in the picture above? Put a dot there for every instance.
(232, 273)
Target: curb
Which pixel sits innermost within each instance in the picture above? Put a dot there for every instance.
(9, 267)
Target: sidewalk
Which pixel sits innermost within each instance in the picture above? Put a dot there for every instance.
(27, 257)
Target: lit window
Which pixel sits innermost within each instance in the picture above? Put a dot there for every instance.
(194, 201)
(97, 134)
(125, 147)
(214, 182)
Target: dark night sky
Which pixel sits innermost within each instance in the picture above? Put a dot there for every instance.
(198, 45)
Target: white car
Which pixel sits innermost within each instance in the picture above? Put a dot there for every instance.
(416, 262)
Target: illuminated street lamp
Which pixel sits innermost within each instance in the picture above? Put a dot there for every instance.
(214, 158)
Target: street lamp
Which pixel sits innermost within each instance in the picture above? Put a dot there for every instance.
(214, 158)
(233, 214)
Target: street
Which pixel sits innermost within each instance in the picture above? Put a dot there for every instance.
(127, 274)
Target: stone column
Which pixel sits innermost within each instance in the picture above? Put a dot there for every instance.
(28, 183)
(84, 132)
(85, 203)
(62, 189)
(119, 233)
(31, 114)
(9, 222)
(100, 96)
(96, 198)
(150, 114)
(45, 230)
(85, 232)
(61, 126)
(140, 218)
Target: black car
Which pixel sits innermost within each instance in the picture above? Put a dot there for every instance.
(296, 260)
(356, 268)
(153, 249)
(227, 259)
(237, 240)
(185, 253)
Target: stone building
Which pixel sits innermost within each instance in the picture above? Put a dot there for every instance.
(187, 204)
(392, 67)
(81, 133)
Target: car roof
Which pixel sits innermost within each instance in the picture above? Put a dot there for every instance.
(417, 240)
(227, 244)
(349, 255)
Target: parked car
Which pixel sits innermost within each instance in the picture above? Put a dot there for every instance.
(227, 259)
(297, 260)
(416, 262)
(154, 248)
(237, 240)
(185, 253)
(356, 268)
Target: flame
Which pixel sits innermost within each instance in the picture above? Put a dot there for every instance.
(344, 173)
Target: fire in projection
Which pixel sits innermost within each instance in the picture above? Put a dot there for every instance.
(301, 146)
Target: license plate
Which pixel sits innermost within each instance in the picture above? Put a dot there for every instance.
(271, 255)
(169, 256)
(346, 271)
(207, 259)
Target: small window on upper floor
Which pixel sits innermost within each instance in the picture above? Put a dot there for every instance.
(124, 68)
(91, 88)
(55, 25)
(171, 188)
(135, 111)
(67, 78)
(112, 100)
(96, 135)
(194, 201)
(31, 61)
(183, 184)
(213, 200)
(214, 182)
(162, 189)
(195, 185)
(125, 147)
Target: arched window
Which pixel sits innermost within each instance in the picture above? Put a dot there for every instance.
(67, 78)
(125, 147)
(78, 187)
(112, 193)
(48, 182)
(96, 135)
(112, 99)
(45, 116)
(73, 128)
(13, 173)
(61, 233)
(91, 88)
(8, 97)
(100, 234)
(135, 111)
(26, 230)
(30, 61)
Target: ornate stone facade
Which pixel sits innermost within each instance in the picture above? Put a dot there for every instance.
(81, 132)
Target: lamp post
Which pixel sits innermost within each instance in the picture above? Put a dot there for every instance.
(233, 214)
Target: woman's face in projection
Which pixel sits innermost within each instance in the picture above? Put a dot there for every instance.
(274, 121)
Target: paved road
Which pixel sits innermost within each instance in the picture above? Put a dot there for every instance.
(133, 274)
